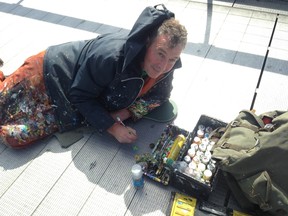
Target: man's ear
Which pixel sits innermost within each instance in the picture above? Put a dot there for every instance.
(1, 62)
(148, 42)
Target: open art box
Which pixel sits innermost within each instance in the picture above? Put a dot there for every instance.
(183, 159)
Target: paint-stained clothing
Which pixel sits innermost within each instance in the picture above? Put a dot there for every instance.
(81, 82)
(26, 113)
(88, 79)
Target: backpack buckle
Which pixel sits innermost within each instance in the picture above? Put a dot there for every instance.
(269, 127)
(235, 123)
(225, 145)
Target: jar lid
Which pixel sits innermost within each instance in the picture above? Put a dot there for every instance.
(137, 170)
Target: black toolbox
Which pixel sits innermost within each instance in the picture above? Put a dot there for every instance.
(196, 186)
(163, 166)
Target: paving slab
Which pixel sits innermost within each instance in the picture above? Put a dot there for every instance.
(275, 6)
(227, 45)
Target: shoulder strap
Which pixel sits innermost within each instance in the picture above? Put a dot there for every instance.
(251, 116)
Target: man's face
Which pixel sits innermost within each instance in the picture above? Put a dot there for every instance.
(159, 58)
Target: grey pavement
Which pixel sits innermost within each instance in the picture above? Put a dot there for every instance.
(236, 58)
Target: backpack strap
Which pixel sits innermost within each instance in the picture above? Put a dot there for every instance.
(237, 192)
(246, 119)
(253, 116)
(236, 123)
(240, 197)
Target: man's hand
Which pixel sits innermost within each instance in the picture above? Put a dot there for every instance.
(123, 134)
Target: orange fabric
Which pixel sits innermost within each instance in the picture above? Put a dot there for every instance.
(32, 67)
(149, 83)
(2, 77)
(26, 114)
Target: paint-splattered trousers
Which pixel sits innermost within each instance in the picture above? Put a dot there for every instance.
(26, 113)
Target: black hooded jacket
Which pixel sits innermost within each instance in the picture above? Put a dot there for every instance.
(88, 79)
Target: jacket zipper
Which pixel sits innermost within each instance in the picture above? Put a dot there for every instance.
(143, 84)
(134, 78)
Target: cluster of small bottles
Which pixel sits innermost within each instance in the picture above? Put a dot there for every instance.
(198, 162)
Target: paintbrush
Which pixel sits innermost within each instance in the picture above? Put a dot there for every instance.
(122, 123)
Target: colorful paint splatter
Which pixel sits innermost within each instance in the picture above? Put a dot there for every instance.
(26, 114)
(141, 107)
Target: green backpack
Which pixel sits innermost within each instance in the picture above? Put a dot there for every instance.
(253, 155)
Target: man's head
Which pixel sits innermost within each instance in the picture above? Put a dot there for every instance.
(164, 48)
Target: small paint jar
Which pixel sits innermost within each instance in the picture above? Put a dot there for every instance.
(205, 141)
(194, 146)
(196, 159)
(137, 176)
(200, 133)
(208, 130)
(192, 165)
(197, 140)
(207, 174)
(205, 159)
(201, 127)
(187, 159)
(201, 167)
(202, 147)
(206, 135)
(199, 154)
(189, 171)
(191, 152)
(208, 154)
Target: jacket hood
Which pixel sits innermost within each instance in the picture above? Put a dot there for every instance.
(150, 19)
